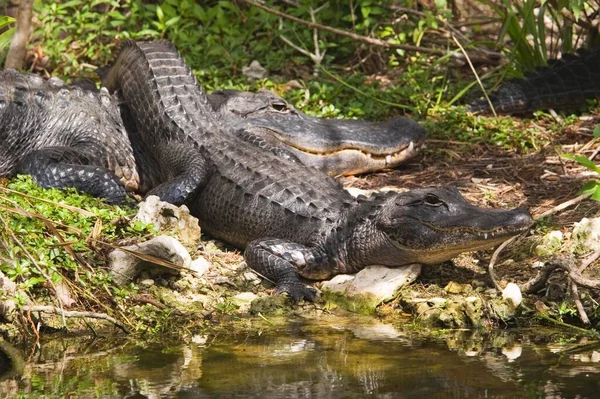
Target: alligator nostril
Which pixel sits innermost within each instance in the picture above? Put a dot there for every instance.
(522, 217)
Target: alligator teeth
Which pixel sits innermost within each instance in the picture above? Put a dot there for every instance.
(368, 155)
(411, 146)
(388, 159)
(485, 236)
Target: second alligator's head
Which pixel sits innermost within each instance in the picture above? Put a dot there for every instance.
(429, 226)
(336, 146)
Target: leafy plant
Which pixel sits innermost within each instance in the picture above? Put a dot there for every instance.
(592, 187)
(7, 35)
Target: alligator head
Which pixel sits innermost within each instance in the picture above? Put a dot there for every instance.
(336, 146)
(430, 226)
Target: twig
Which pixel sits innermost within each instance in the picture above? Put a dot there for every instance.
(364, 39)
(73, 313)
(575, 295)
(476, 75)
(589, 260)
(562, 206)
(495, 258)
(569, 326)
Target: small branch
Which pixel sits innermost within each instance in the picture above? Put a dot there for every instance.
(495, 258)
(575, 295)
(562, 206)
(75, 314)
(476, 75)
(569, 326)
(364, 39)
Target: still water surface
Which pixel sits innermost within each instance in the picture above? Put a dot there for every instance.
(331, 358)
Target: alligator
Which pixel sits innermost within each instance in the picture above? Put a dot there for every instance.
(65, 137)
(290, 219)
(336, 146)
(562, 84)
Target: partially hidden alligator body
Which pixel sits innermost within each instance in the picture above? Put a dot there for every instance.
(64, 137)
(291, 219)
(564, 83)
(336, 146)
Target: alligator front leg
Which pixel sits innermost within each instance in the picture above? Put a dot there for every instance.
(267, 142)
(63, 167)
(281, 261)
(186, 171)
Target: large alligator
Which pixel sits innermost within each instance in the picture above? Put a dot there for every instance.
(564, 83)
(290, 219)
(64, 137)
(336, 146)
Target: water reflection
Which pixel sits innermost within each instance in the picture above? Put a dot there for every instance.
(334, 357)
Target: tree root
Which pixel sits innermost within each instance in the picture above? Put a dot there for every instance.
(567, 263)
(77, 314)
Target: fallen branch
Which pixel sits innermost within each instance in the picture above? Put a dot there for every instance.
(75, 314)
(495, 258)
(562, 206)
(364, 39)
(566, 263)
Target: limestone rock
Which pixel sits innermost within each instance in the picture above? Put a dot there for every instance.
(200, 266)
(364, 291)
(8, 305)
(243, 300)
(254, 71)
(512, 294)
(167, 216)
(125, 266)
(586, 235)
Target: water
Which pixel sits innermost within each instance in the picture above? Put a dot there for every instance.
(332, 358)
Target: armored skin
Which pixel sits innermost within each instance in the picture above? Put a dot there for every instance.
(292, 220)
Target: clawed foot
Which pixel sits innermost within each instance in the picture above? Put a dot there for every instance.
(297, 292)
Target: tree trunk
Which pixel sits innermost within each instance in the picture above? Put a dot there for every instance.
(16, 54)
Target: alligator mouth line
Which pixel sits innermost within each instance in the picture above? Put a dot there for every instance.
(387, 159)
(498, 232)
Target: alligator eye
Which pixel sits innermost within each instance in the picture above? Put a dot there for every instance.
(432, 200)
(280, 107)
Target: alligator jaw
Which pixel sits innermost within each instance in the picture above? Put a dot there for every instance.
(473, 241)
(350, 161)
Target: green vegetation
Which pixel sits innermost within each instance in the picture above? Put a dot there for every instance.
(6, 22)
(44, 242)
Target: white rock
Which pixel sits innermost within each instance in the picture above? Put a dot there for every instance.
(373, 284)
(244, 300)
(200, 266)
(512, 294)
(125, 266)
(586, 234)
(166, 216)
(148, 282)
(254, 71)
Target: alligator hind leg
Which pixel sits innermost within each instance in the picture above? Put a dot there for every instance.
(62, 167)
(279, 261)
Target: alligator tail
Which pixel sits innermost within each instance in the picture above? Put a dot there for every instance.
(562, 84)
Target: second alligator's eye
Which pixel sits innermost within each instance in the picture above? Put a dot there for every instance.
(432, 200)
(280, 107)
